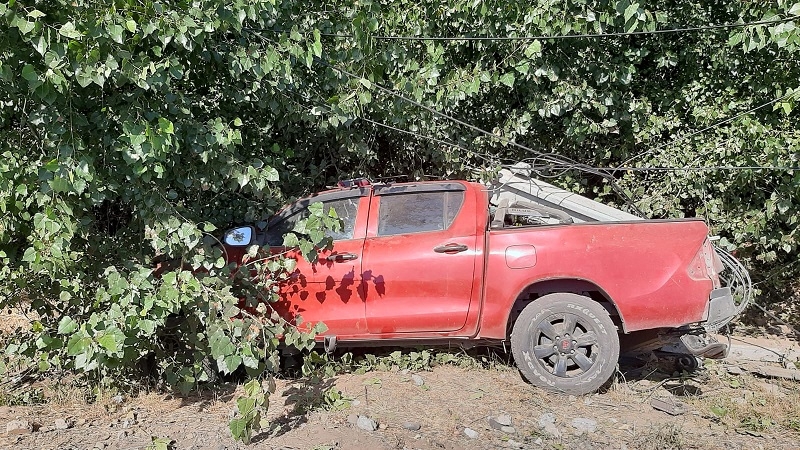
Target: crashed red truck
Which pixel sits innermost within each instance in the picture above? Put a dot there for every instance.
(559, 276)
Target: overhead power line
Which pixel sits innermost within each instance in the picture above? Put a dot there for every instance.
(685, 29)
(703, 169)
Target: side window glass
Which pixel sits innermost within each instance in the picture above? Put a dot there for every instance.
(418, 212)
(346, 210)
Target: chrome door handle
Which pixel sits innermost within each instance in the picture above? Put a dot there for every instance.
(338, 257)
(451, 248)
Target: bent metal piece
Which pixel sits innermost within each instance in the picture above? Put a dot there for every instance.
(698, 346)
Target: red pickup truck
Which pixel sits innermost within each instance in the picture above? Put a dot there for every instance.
(434, 262)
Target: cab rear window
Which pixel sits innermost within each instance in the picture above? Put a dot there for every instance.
(418, 212)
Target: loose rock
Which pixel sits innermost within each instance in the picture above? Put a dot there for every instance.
(17, 427)
(503, 419)
(411, 426)
(547, 422)
(735, 370)
(493, 423)
(514, 444)
(584, 425)
(472, 434)
(508, 430)
(62, 424)
(352, 419)
(417, 380)
(366, 424)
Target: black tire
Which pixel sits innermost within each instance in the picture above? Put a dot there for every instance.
(577, 364)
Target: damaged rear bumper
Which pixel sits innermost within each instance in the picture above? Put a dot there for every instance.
(721, 307)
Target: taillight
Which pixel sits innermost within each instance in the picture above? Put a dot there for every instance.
(706, 264)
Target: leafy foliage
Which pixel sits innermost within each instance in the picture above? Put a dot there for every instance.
(250, 408)
(165, 122)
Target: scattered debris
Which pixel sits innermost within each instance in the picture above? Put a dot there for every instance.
(669, 406)
(547, 422)
(503, 419)
(771, 389)
(18, 427)
(514, 444)
(366, 424)
(777, 372)
(735, 370)
(62, 424)
(584, 425)
(502, 423)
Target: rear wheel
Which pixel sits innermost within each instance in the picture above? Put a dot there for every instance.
(566, 343)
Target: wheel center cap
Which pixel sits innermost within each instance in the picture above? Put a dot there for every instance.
(565, 345)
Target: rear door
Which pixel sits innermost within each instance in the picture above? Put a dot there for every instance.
(326, 290)
(419, 258)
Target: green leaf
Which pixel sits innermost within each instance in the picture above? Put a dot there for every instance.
(317, 45)
(794, 10)
(41, 45)
(534, 48)
(36, 14)
(68, 30)
(165, 126)
(130, 24)
(252, 388)
(78, 344)
(238, 428)
(29, 73)
(631, 10)
(107, 342)
(30, 255)
(271, 174)
(719, 411)
(508, 79)
(158, 443)
(67, 326)
(115, 31)
(23, 25)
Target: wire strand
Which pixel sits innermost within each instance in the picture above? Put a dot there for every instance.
(699, 169)
(684, 29)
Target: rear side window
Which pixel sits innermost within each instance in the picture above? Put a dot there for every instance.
(346, 209)
(418, 212)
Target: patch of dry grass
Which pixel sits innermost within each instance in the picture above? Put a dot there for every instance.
(750, 404)
(12, 319)
(668, 436)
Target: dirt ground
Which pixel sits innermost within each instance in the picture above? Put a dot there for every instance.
(723, 406)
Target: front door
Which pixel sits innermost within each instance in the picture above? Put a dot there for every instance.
(419, 258)
(326, 290)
